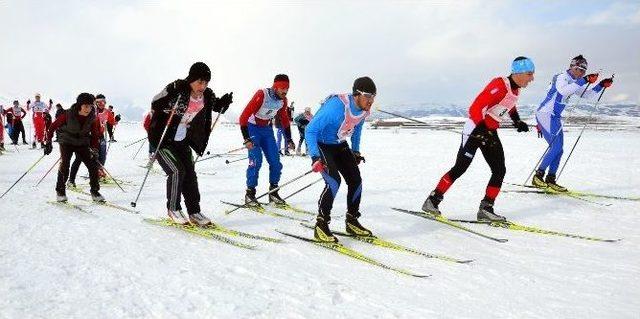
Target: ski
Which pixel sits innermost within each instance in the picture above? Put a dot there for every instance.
(446, 221)
(377, 241)
(289, 207)
(111, 205)
(264, 211)
(236, 233)
(569, 192)
(531, 229)
(70, 206)
(337, 247)
(199, 231)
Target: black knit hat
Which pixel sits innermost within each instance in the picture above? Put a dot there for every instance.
(100, 96)
(364, 84)
(579, 62)
(85, 98)
(199, 71)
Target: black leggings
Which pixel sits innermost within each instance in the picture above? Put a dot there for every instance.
(83, 153)
(492, 152)
(339, 160)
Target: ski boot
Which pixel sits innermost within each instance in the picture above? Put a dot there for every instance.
(24, 142)
(33, 145)
(177, 217)
(551, 182)
(538, 180)
(486, 214)
(354, 227)
(97, 197)
(250, 198)
(199, 220)
(2, 147)
(61, 197)
(431, 204)
(274, 197)
(322, 233)
(71, 185)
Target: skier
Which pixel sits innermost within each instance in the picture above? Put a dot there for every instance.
(277, 122)
(17, 113)
(112, 121)
(78, 132)
(101, 117)
(146, 123)
(495, 103)
(302, 120)
(339, 118)
(258, 136)
(549, 115)
(191, 102)
(39, 109)
(2, 128)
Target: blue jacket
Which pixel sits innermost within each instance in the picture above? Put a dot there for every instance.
(327, 122)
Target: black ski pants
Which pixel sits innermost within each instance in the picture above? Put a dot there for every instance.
(339, 160)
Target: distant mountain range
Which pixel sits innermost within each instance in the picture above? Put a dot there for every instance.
(526, 111)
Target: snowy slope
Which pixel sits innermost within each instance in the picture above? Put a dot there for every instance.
(59, 263)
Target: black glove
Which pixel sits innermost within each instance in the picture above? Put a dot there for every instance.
(48, 148)
(28, 101)
(359, 158)
(521, 126)
(50, 101)
(222, 104)
(606, 82)
(481, 133)
(117, 118)
(94, 153)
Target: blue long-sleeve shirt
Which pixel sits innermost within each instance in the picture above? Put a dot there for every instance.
(326, 124)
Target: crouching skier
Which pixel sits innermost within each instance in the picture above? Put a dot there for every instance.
(191, 103)
(78, 132)
(340, 117)
(496, 103)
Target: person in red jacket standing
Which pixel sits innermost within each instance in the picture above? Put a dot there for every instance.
(494, 104)
(265, 105)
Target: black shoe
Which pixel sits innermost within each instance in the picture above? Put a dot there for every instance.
(97, 197)
(430, 205)
(61, 197)
(250, 198)
(551, 183)
(322, 233)
(25, 143)
(274, 197)
(538, 180)
(486, 214)
(354, 227)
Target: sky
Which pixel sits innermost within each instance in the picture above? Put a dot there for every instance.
(415, 51)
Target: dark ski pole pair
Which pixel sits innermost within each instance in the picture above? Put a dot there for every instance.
(277, 188)
(135, 142)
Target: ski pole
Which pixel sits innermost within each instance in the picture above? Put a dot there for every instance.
(47, 173)
(236, 160)
(135, 142)
(276, 189)
(552, 140)
(211, 130)
(23, 175)
(153, 157)
(300, 190)
(421, 122)
(141, 145)
(111, 176)
(581, 131)
(221, 154)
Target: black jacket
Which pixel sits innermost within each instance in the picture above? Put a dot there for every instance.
(74, 133)
(198, 130)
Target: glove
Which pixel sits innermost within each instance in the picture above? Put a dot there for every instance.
(28, 101)
(481, 133)
(591, 78)
(359, 158)
(317, 165)
(94, 153)
(521, 126)
(117, 118)
(248, 143)
(539, 131)
(48, 148)
(222, 104)
(606, 82)
(291, 145)
(50, 101)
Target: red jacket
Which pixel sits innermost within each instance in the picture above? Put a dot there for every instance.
(491, 95)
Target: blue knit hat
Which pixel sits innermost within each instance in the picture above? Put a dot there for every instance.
(522, 65)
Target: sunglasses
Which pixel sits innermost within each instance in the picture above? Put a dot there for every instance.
(367, 95)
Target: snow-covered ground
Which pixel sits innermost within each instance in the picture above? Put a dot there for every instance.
(60, 263)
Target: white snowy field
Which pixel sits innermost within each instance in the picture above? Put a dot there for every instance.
(60, 263)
